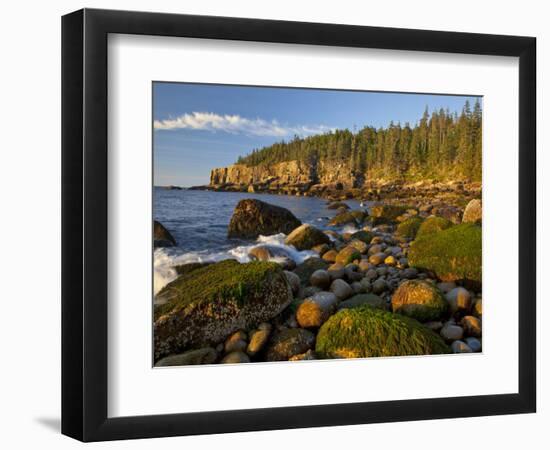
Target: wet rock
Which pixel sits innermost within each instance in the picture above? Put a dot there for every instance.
(235, 342)
(379, 286)
(377, 258)
(360, 246)
(161, 236)
(478, 309)
(348, 255)
(336, 271)
(309, 266)
(305, 237)
(321, 249)
(363, 299)
(253, 217)
(330, 256)
(307, 356)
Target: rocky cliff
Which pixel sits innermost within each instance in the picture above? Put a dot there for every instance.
(284, 176)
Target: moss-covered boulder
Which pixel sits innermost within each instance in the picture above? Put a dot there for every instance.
(310, 265)
(452, 254)
(420, 300)
(347, 255)
(345, 218)
(306, 237)
(386, 213)
(368, 332)
(253, 217)
(409, 227)
(433, 224)
(182, 269)
(161, 236)
(207, 305)
(362, 235)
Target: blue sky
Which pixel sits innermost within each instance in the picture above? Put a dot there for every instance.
(198, 127)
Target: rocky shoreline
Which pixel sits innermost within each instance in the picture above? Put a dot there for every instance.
(402, 277)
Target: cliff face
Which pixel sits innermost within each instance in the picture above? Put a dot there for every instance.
(290, 174)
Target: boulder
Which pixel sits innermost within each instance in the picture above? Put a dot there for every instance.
(344, 218)
(348, 255)
(208, 304)
(288, 343)
(182, 269)
(472, 212)
(409, 227)
(337, 205)
(360, 246)
(433, 224)
(453, 254)
(420, 300)
(253, 217)
(306, 237)
(206, 355)
(369, 332)
(314, 311)
(161, 236)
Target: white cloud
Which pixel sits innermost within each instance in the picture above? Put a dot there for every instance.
(236, 124)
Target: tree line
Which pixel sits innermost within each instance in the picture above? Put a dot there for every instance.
(441, 146)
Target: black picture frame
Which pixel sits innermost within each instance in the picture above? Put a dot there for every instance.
(84, 224)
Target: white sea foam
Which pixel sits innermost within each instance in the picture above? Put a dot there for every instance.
(166, 258)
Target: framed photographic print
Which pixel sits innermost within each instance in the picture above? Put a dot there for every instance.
(273, 224)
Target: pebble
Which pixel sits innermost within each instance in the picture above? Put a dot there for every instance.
(434, 325)
(235, 342)
(472, 326)
(460, 347)
(377, 258)
(459, 299)
(474, 344)
(341, 289)
(451, 332)
(390, 260)
(235, 358)
(330, 256)
(258, 339)
(478, 309)
(293, 281)
(336, 271)
(379, 286)
(320, 279)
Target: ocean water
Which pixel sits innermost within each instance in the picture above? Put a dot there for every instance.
(198, 221)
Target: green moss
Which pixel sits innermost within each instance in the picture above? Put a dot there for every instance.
(182, 269)
(420, 300)
(432, 225)
(364, 332)
(409, 227)
(452, 254)
(343, 219)
(226, 281)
